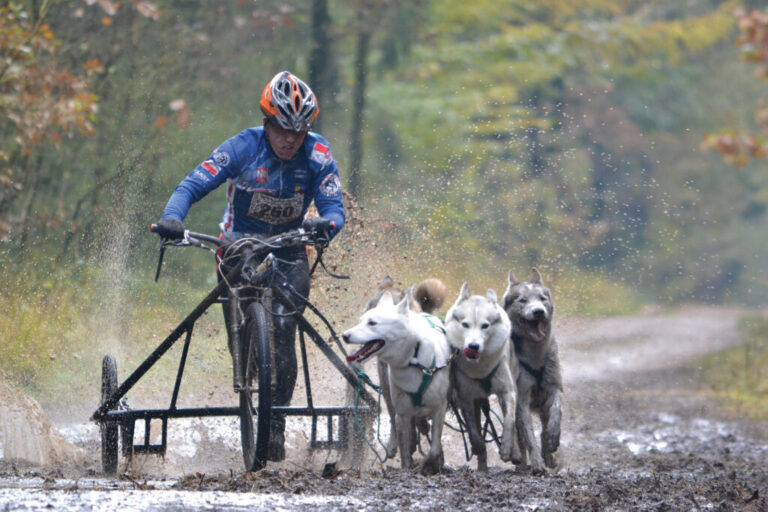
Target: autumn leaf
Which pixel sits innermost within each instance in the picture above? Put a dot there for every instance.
(161, 122)
(106, 21)
(148, 9)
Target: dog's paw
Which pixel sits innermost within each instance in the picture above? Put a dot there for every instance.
(550, 460)
(550, 441)
(432, 465)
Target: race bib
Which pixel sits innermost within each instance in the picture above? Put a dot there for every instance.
(273, 210)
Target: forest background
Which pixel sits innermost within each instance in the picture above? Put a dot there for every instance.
(613, 144)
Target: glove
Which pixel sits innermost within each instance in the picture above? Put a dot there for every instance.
(320, 226)
(172, 229)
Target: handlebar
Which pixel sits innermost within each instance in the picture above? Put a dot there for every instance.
(286, 239)
(254, 245)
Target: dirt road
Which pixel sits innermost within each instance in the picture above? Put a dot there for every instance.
(639, 433)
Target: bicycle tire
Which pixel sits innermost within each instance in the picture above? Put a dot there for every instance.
(109, 431)
(254, 421)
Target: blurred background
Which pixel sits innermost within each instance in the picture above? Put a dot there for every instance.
(616, 145)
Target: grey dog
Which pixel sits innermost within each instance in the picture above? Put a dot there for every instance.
(539, 381)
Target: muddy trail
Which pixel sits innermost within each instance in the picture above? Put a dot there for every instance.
(639, 432)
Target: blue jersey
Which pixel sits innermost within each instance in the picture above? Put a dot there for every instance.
(265, 195)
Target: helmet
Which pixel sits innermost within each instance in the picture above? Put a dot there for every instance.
(290, 102)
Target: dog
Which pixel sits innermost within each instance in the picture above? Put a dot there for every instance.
(416, 352)
(539, 381)
(428, 297)
(479, 330)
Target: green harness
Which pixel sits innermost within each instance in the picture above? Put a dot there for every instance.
(417, 397)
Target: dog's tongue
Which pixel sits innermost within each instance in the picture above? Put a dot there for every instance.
(471, 353)
(537, 331)
(366, 350)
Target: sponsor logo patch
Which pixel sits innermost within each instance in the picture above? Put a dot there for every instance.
(211, 167)
(261, 175)
(221, 158)
(321, 154)
(203, 176)
(331, 186)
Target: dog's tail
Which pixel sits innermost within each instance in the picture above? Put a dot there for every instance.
(430, 294)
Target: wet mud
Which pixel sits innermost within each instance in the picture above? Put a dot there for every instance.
(640, 432)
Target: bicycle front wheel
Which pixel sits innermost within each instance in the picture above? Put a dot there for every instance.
(256, 397)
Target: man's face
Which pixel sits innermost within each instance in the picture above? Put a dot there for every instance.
(284, 143)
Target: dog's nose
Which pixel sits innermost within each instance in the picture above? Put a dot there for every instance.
(345, 337)
(474, 346)
(539, 314)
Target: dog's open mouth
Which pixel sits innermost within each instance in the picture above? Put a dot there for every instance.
(471, 353)
(536, 330)
(366, 351)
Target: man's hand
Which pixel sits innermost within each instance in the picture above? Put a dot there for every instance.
(320, 226)
(170, 228)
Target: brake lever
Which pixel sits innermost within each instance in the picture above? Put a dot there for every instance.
(160, 261)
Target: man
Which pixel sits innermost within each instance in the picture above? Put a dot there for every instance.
(273, 173)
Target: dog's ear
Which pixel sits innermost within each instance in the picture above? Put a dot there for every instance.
(491, 295)
(535, 276)
(404, 305)
(464, 292)
(386, 283)
(511, 282)
(386, 300)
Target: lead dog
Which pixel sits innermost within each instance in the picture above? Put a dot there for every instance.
(479, 330)
(416, 352)
(427, 298)
(539, 381)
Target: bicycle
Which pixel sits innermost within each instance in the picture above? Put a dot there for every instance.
(248, 290)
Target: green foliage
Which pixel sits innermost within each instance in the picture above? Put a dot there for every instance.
(498, 135)
(59, 322)
(739, 375)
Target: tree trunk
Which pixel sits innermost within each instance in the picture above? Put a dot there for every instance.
(358, 108)
(322, 69)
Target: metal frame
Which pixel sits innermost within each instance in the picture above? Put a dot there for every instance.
(126, 419)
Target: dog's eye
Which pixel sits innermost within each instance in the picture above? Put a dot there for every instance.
(543, 298)
(465, 325)
(522, 300)
(372, 322)
(485, 326)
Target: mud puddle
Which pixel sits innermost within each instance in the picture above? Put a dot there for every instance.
(639, 433)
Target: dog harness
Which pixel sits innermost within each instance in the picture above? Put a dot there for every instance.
(417, 397)
(485, 382)
(537, 374)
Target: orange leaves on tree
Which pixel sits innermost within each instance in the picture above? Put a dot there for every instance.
(161, 122)
(38, 98)
(737, 149)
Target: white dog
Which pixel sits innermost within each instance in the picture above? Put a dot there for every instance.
(415, 349)
(479, 330)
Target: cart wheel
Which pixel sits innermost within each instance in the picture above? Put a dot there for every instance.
(109, 431)
(254, 428)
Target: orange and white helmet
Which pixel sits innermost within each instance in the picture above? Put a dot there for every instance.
(290, 102)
